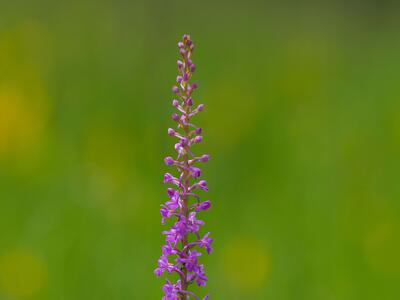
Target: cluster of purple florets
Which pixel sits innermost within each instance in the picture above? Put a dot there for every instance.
(178, 253)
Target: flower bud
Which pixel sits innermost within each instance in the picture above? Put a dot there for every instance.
(171, 192)
(168, 178)
(200, 107)
(204, 158)
(183, 141)
(175, 103)
(175, 117)
(198, 130)
(189, 102)
(180, 45)
(169, 161)
(171, 132)
(194, 85)
(175, 89)
(196, 172)
(205, 205)
(198, 139)
(179, 79)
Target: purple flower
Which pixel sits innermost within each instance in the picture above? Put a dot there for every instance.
(190, 261)
(206, 242)
(205, 205)
(169, 161)
(204, 158)
(200, 276)
(193, 224)
(182, 206)
(195, 172)
(171, 290)
(175, 89)
(163, 266)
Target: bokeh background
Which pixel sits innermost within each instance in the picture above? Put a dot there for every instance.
(302, 121)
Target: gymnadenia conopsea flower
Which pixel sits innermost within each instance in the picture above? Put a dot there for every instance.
(179, 254)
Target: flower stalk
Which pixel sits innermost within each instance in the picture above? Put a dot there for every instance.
(178, 253)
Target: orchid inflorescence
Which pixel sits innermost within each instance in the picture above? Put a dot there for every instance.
(184, 204)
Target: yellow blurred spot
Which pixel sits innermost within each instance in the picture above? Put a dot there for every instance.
(382, 247)
(22, 274)
(23, 105)
(247, 263)
(21, 121)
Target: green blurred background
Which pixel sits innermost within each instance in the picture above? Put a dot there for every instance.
(302, 121)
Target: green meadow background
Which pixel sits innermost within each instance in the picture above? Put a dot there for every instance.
(302, 121)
